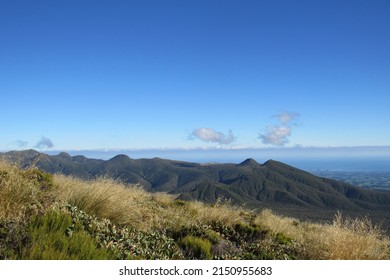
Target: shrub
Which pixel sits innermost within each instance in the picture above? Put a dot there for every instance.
(127, 242)
(212, 236)
(280, 238)
(250, 233)
(43, 180)
(13, 238)
(196, 248)
(49, 240)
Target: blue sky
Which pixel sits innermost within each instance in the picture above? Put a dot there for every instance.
(85, 75)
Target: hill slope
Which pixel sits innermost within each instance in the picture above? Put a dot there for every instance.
(273, 184)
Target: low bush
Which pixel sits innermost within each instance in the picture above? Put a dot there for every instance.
(13, 239)
(196, 248)
(50, 239)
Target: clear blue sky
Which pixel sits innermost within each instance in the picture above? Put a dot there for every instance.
(172, 74)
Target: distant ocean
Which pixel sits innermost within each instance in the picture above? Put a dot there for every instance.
(342, 164)
(315, 160)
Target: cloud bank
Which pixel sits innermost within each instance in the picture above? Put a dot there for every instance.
(278, 135)
(210, 135)
(44, 143)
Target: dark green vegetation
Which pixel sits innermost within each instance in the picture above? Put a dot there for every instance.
(55, 236)
(272, 185)
(371, 180)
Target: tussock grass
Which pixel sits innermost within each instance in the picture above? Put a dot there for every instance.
(219, 212)
(104, 198)
(130, 204)
(355, 239)
(345, 238)
(22, 191)
(176, 214)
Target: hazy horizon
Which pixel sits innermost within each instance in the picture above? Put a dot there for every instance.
(361, 159)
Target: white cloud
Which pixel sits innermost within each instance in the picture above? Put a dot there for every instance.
(277, 135)
(210, 135)
(44, 143)
(287, 117)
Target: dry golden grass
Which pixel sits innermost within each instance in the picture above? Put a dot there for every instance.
(130, 204)
(355, 239)
(220, 212)
(344, 239)
(104, 198)
(177, 214)
(17, 193)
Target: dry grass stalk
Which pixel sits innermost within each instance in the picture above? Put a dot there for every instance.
(345, 238)
(17, 193)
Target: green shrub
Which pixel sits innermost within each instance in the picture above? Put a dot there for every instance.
(280, 238)
(180, 203)
(196, 248)
(250, 233)
(13, 238)
(41, 179)
(212, 236)
(49, 240)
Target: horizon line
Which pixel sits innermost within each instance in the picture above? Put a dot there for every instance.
(200, 148)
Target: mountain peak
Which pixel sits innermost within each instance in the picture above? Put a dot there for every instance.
(277, 164)
(270, 162)
(248, 162)
(64, 155)
(120, 157)
(281, 167)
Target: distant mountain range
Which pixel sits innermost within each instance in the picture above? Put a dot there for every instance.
(273, 185)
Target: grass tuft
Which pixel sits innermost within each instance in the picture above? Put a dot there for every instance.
(345, 238)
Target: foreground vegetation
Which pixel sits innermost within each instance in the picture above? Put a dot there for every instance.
(57, 217)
